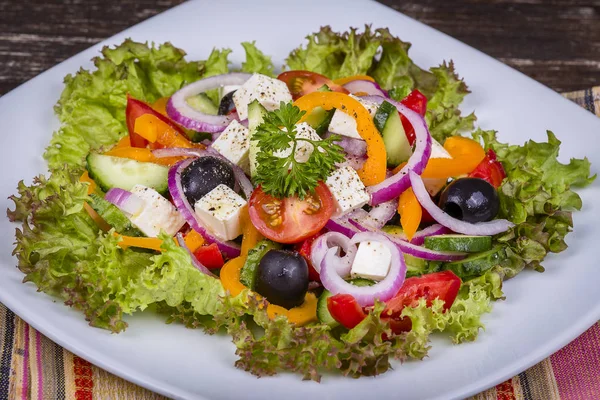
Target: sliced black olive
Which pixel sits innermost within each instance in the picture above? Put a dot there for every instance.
(282, 277)
(470, 200)
(203, 175)
(226, 104)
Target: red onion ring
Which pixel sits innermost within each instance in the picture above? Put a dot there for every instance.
(333, 240)
(342, 226)
(240, 177)
(396, 184)
(379, 214)
(195, 261)
(352, 146)
(412, 249)
(366, 295)
(181, 112)
(368, 87)
(124, 200)
(466, 228)
(230, 249)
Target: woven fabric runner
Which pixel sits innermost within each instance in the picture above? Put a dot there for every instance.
(33, 367)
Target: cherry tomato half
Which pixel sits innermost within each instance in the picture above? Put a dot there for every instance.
(301, 83)
(290, 220)
(305, 250)
(490, 169)
(345, 309)
(417, 102)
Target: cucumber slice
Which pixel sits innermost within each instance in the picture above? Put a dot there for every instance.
(467, 244)
(323, 312)
(319, 119)
(394, 138)
(256, 113)
(113, 216)
(116, 172)
(203, 103)
(477, 264)
(248, 272)
(393, 230)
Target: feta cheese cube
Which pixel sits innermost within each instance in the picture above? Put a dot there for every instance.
(372, 261)
(347, 190)
(303, 149)
(219, 212)
(268, 91)
(158, 214)
(234, 144)
(434, 185)
(344, 124)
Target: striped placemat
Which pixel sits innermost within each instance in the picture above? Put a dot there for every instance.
(33, 367)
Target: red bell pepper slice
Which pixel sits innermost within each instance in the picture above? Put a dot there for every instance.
(304, 248)
(345, 309)
(490, 169)
(417, 102)
(210, 256)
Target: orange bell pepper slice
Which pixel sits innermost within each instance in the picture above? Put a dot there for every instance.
(102, 224)
(410, 213)
(466, 155)
(301, 315)
(160, 105)
(123, 142)
(154, 130)
(251, 236)
(85, 177)
(151, 243)
(343, 81)
(141, 154)
(374, 169)
(230, 275)
(193, 240)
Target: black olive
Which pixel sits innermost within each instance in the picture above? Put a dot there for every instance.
(470, 200)
(203, 175)
(226, 104)
(282, 277)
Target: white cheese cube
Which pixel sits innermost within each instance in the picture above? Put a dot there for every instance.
(158, 214)
(434, 185)
(268, 91)
(234, 144)
(219, 212)
(344, 124)
(372, 261)
(348, 191)
(303, 149)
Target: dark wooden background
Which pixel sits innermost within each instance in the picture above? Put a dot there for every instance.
(556, 42)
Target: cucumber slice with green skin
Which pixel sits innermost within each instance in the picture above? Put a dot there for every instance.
(396, 143)
(477, 264)
(319, 119)
(113, 216)
(463, 243)
(323, 312)
(203, 103)
(256, 113)
(197, 137)
(248, 272)
(393, 230)
(116, 172)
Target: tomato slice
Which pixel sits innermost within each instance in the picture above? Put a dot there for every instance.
(305, 249)
(301, 83)
(417, 102)
(290, 220)
(210, 256)
(490, 169)
(345, 309)
(135, 109)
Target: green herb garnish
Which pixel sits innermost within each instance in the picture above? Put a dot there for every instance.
(278, 171)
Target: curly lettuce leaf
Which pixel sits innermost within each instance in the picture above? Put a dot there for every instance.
(537, 195)
(91, 108)
(256, 60)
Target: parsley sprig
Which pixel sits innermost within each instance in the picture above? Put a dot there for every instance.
(278, 171)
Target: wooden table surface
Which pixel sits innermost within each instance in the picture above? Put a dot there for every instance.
(556, 42)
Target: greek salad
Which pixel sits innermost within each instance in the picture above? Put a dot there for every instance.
(329, 217)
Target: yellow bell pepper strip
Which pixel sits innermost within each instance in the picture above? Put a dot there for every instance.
(85, 177)
(124, 142)
(150, 243)
(102, 224)
(410, 213)
(250, 235)
(193, 240)
(301, 315)
(343, 81)
(373, 170)
(230, 275)
(466, 155)
(154, 130)
(141, 154)
(160, 105)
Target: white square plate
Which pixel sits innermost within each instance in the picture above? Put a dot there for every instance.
(542, 313)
